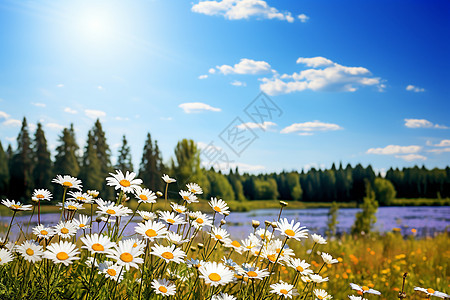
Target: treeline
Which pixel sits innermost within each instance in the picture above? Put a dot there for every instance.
(31, 166)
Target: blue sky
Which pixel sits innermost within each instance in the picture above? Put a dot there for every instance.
(352, 82)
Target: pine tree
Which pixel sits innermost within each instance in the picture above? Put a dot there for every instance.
(4, 172)
(90, 173)
(151, 167)
(124, 162)
(21, 183)
(42, 173)
(366, 218)
(66, 159)
(103, 155)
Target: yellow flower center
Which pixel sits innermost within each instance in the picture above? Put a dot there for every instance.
(236, 244)
(40, 196)
(67, 184)
(30, 251)
(15, 206)
(216, 208)
(283, 291)
(126, 257)
(150, 233)
(300, 269)
(430, 290)
(111, 272)
(80, 198)
(98, 247)
(365, 288)
(81, 225)
(135, 245)
(64, 230)
(143, 197)
(193, 191)
(44, 232)
(171, 221)
(124, 183)
(218, 236)
(71, 207)
(62, 256)
(289, 232)
(252, 274)
(214, 277)
(186, 197)
(272, 257)
(200, 221)
(111, 211)
(320, 297)
(162, 289)
(167, 255)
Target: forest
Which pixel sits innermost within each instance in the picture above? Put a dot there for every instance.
(31, 166)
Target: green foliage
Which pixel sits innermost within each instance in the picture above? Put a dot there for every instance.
(103, 154)
(91, 172)
(124, 161)
(266, 189)
(151, 167)
(66, 159)
(366, 218)
(332, 219)
(42, 173)
(186, 166)
(4, 172)
(220, 187)
(384, 191)
(236, 183)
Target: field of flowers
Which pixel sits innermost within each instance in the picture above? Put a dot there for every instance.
(182, 253)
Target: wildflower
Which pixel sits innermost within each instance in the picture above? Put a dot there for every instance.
(114, 210)
(62, 252)
(317, 278)
(431, 292)
(169, 253)
(250, 242)
(194, 263)
(194, 188)
(176, 238)
(5, 256)
(65, 229)
(68, 182)
(101, 202)
(80, 197)
(41, 194)
(16, 206)
(215, 273)
(93, 193)
(328, 259)
(291, 230)
(263, 234)
(233, 244)
(219, 234)
(167, 179)
(96, 243)
(255, 273)
(151, 230)
(126, 255)
(188, 196)
(322, 294)
(146, 215)
(230, 264)
(201, 219)
(219, 206)
(111, 270)
(163, 287)
(43, 232)
(72, 206)
(300, 266)
(364, 289)
(284, 289)
(30, 251)
(223, 296)
(82, 222)
(178, 208)
(255, 224)
(145, 195)
(125, 183)
(170, 218)
(318, 239)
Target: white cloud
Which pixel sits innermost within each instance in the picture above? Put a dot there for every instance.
(100, 88)
(55, 126)
(266, 125)
(439, 151)
(322, 75)
(241, 9)
(121, 119)
(395, 149)
(303, 18)
(38, 104)
(166, 118)
(10, 139)
(422, 123)
(203, 76)
(60, 85)
(245, 66)
(94, 114)
(307, 128)
(196, 107)
(12, 123)
(32, 127)
(414, 89)
(70, 110)
(411, 157)
(202, 146)
(443, 143)
(212, 71)
(238, 83)
(3, 115)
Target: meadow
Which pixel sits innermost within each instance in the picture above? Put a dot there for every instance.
(180, 252)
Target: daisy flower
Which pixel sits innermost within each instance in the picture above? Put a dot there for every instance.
(318, 239)
(188, 196)
(223, 296)
(111, 270)
(137, 243)
(102, 202)
(219, 206)
(321, 294)
(16, 206)
(169, 253)
(178, 208)
(93, 193)
(215, 273)
(41, 194)
(284, 289)
(328, 259)
(194, 188)
(126, 255)
(30, 251)
(176, 238)
(43, 232)
(65, 229)
(170, 218)
(230, 264)
(145, 195)
(62, 252)
(72, 205)
(97, 243)
(68, 182)
(146, 215)
(431, 292)
(114, 210)
(219, 234)
(255, 273)
(80, 197)
(300, 266)
(167, 179)
(126, 182)
(263, 234)
(291, 230)
(233, 244)
(201, 219)
(163, 287)
(364, 289)
(5, 256)
(82, 222)
(316, 278)
(194, 263)
(251, 242)
(151, 230)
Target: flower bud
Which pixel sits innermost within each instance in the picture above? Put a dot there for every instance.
(200, 246)
(274, 225)
(159, 194)
(268, 223)
(283, 203)
(255, 224)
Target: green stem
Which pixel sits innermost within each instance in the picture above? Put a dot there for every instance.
(9, 228)
(64, 199)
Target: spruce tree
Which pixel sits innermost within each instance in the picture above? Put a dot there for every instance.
(151, 167)
(66, 159)
(103, 155)
(90, 172)
(4, 172)
(124, 162)
(42, 173)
